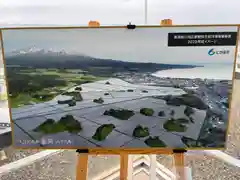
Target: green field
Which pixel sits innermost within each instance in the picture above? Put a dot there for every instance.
(30, 86)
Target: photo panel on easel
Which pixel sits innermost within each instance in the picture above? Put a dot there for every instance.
(165, 87)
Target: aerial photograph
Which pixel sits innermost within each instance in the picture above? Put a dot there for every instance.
(115, 88)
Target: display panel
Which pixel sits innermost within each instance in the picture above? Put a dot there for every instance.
(165, 87)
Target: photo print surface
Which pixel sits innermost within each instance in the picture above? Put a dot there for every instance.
(163, 87)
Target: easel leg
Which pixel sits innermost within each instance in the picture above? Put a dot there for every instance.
(82, 167)
(123, 166)
(179, 163)
(130, 167)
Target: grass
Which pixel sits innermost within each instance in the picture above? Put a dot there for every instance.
(66, 123)
(123, 114)
(155, 142)
(140, 132)
(41, 97)
(99, 100)
(27, 99)
(103, 131)
(147, 111)
(173, 125)
(20, 100)
(42, 85)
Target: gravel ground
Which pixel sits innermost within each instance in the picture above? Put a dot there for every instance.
(62, 166)
(233, 143)
(14, 155)
(97, 164)
(207, 168)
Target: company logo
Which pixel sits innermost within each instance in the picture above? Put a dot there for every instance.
(212, 52)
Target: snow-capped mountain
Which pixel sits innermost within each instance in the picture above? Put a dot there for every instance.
(35, 50)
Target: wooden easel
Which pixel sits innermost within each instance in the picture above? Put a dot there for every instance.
(82, 166)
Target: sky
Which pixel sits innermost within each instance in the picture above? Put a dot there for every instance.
(79, 12)
(108, 12)
(139, 45)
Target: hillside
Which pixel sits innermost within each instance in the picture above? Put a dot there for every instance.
(66, 61)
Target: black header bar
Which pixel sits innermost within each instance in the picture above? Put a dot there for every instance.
(202, 39)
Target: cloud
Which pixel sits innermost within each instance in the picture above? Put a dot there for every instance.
(118, 11)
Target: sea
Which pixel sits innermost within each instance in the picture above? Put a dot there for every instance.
(209, 71)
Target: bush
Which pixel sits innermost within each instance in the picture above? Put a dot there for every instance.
(45, 127)
(65, 101)
(106, 94)
(129, 90)
(119, 114)
(66, 123)
(76, 95)
(72, 103)
(188, 111)
(155, 142)
(140, 131)
(78, 88)
(147, 111)
(107, 82)
(71, 125)
(99, 100)
(161, 113)
(144, 91)
(174, 126)
(187, 100)
(103, 131)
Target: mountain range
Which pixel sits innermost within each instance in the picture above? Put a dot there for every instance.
(40, 58)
